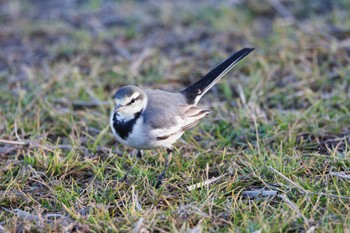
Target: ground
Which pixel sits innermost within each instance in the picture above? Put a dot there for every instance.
(273, 155)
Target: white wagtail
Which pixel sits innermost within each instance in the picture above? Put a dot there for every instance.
(147, 119)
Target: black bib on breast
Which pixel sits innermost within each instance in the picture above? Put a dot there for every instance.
(124, 128)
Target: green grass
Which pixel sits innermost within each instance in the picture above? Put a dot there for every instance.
(279, 122)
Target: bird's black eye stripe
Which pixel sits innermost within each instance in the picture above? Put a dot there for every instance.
(133, 101)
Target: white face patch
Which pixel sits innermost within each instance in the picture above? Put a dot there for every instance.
(129, 109)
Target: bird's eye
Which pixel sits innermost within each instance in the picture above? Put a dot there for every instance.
(132, 101)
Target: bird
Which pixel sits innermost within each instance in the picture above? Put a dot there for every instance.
(149, 119)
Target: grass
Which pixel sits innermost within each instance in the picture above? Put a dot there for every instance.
(279, 125)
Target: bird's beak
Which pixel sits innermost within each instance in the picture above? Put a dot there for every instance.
(118, 108)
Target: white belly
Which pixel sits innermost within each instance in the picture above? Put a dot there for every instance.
(142, 137)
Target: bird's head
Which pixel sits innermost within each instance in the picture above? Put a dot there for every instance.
(130, 101)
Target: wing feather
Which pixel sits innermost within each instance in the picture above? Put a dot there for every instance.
(168, 114)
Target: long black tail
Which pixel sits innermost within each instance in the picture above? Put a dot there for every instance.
(195, 92)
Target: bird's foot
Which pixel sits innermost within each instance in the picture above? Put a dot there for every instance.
(160, 180)
(124, 179)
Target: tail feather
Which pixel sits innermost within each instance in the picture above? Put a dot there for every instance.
(195, 92)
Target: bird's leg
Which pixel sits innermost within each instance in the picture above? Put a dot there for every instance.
(162, 175)
(138, 157)
(139, 154)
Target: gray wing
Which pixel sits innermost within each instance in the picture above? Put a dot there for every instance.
(163, 109)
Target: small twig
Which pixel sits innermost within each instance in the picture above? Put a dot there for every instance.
(135, 199)
(16, 133)
(241, 94)
(340, 174)
(207, 182)
(260, 192)
(289, 180)
(21, 143)
(256, 133)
